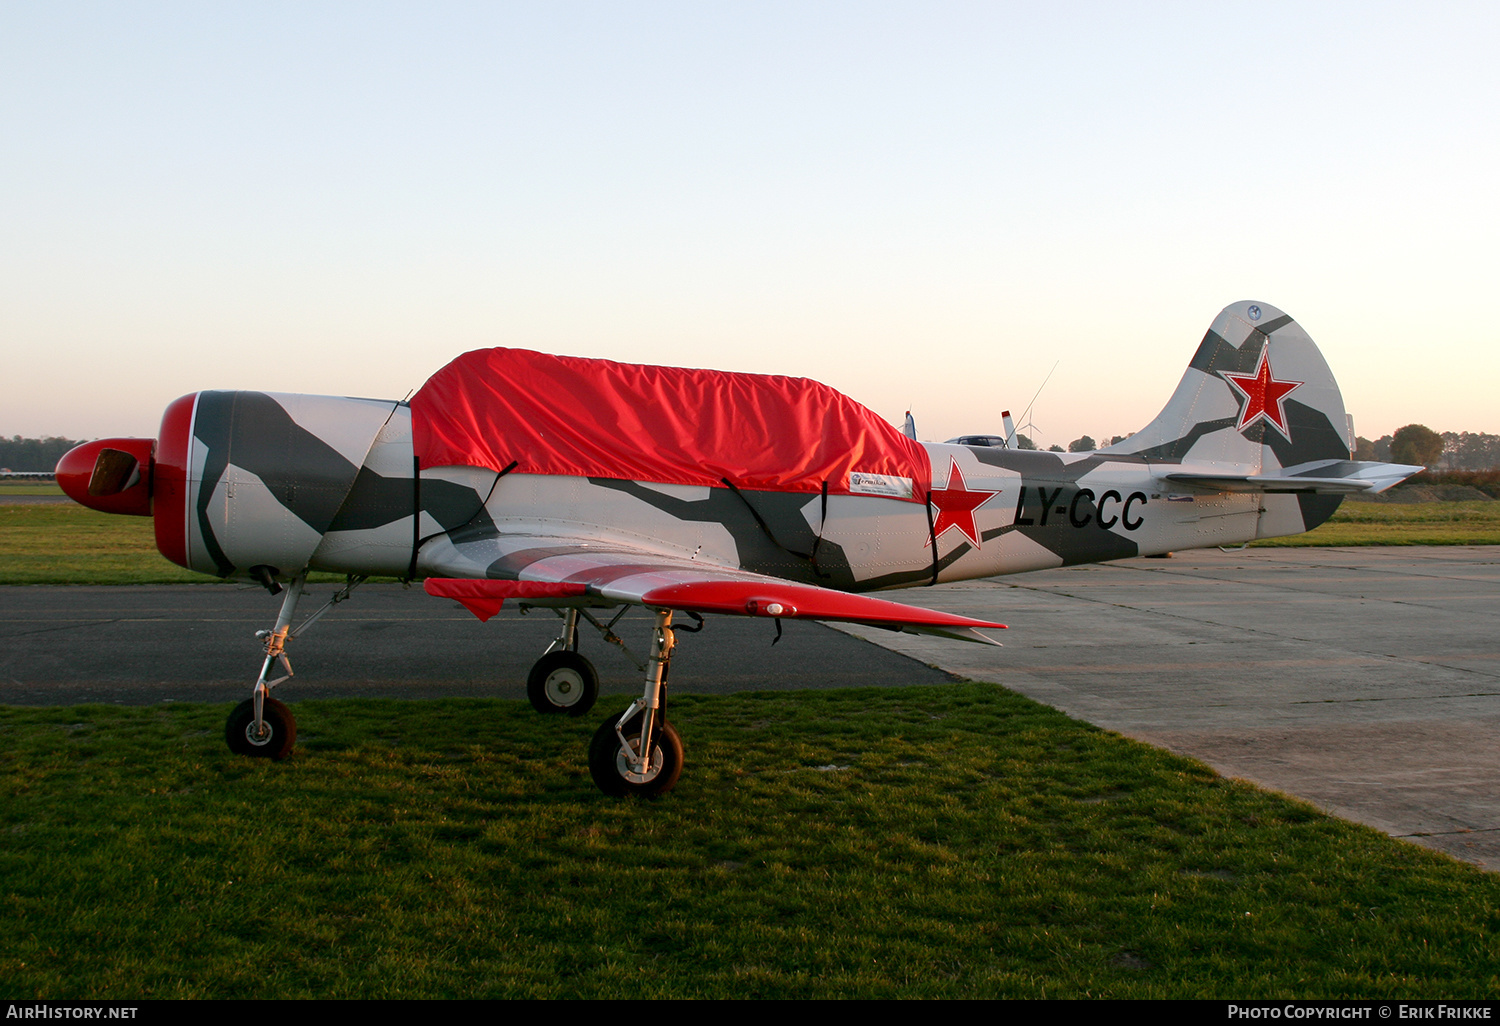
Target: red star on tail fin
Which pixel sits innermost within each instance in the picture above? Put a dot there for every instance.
(1264, 395)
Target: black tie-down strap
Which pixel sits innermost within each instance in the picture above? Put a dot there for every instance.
(932, 538)
(417, 542)
(811, 557)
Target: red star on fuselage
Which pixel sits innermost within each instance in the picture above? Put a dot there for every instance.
(956, 504)
(1264, 395)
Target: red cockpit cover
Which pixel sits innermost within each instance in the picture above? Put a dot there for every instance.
(670, 425)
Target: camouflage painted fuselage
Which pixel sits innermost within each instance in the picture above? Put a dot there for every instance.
(1253, 444)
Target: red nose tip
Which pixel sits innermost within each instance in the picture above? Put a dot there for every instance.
(112, 475)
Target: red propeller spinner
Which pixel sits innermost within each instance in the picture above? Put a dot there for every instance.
(141, 477)
(112, 475)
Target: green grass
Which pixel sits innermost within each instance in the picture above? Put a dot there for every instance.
(68, 544)
(954, 841)
(1417, 523)
(24, 487)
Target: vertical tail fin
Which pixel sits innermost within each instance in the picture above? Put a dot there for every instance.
(1257, 395)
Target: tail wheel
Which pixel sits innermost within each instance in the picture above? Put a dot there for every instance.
(610, 766)
(275, 738)
(562, 682)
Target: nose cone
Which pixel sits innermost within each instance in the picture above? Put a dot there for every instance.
(112, 475)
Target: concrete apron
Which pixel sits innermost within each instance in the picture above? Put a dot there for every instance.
(1363, 680)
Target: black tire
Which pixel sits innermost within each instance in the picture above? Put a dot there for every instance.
(611, 772)
(562, 682)
(277, 744)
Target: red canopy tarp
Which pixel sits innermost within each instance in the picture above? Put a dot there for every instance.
(670, 425)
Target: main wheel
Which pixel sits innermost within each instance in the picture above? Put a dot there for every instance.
(562, 682)
(280, 730)
(611, 769)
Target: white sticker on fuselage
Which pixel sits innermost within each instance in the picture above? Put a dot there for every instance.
(861, 483)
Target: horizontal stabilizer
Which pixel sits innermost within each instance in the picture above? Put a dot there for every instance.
(1320, 477)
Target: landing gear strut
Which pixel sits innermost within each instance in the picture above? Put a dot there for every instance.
(261, 726)
(639, 753)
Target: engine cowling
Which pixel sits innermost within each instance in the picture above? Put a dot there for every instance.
(237, 483)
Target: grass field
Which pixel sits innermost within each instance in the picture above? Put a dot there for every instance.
(954, 841)
(1418, 523)
(21, 486)
(67, 544)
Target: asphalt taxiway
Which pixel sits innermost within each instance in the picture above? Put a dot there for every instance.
(1364, 680)
(196, 643)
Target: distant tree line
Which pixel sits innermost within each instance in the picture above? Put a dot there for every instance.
(1086, 443)
(32, 454)
(1471, 450)
(1486, 481)
(1414, 444)
(1418, 444)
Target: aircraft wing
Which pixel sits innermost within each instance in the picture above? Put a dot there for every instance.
(559, 571)
(1321, 477)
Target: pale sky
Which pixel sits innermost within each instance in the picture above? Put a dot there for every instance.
(925, 205)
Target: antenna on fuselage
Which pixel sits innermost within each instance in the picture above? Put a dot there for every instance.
(1030, 424)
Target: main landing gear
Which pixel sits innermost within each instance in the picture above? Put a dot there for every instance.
(636, 753)
(562, 681)
(260, 726)
(639, 753)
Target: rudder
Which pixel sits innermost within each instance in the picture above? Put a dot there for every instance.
(1257, 395)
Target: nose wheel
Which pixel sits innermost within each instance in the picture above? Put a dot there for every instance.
(260, 726)
(271, 738)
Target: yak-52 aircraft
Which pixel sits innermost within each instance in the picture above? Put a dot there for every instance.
(588, 485)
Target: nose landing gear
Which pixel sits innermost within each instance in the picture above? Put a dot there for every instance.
(271, 738)
(260, 726)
